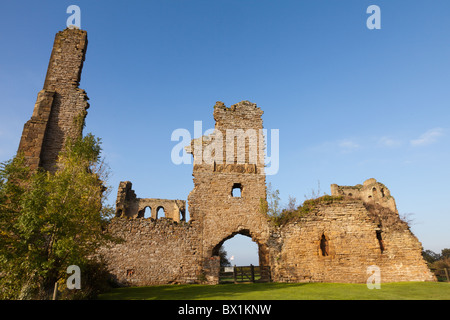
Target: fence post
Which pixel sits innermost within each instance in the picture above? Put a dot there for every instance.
(252, 269)
(55, 290)
(446, 274)
(235, 274)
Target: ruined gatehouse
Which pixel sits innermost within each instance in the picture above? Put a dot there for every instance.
(336, 240)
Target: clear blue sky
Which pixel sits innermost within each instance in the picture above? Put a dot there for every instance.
(350, 103)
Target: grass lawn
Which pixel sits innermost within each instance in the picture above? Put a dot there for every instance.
(285, 291)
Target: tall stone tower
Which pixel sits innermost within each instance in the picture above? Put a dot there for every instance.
(229, 179)
(61, 106)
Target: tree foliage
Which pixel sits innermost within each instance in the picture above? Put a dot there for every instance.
(223, 254)
(436, 260)
(50, 221)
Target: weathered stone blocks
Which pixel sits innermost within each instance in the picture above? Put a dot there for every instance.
(61, 106)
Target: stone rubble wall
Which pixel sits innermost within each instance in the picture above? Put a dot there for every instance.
(153, 252)
(353, 247)
(163, 251)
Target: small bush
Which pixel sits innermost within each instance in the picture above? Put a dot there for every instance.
(95, 279)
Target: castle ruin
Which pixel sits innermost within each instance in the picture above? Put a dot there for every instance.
(61, 106)
(356, 227)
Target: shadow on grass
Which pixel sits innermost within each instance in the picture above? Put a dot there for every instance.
(246, 291)
(284, 291)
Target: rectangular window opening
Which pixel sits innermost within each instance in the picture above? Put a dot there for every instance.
(236, 191)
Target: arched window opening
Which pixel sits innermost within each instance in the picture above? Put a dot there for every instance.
(324, 247)
(147, 212)
(236, 191)
(182, 215)
(160, 213)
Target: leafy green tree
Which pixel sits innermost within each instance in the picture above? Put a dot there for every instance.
(50, 221)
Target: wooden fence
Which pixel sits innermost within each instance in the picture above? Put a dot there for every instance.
(239, 274)
(442, 274)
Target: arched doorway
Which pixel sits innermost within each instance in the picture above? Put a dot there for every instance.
(241, 256)
(240, 250)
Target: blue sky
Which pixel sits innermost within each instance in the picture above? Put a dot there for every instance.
(350, 103)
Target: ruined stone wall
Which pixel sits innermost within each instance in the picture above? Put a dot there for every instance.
(34, 130)
(352, 244)
(61, 106)
(371, 191)
(129, 205)
(154, 252)
(336, 242)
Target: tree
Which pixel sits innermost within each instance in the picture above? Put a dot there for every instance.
(224, 262)
(445, 253)
(430, 256)
(273, 201)
(50, 221)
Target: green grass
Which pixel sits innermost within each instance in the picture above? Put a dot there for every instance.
(285, 291)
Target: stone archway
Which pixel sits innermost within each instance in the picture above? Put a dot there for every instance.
(212, 268)
(262, 247)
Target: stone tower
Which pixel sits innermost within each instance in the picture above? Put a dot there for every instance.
(229, 179)
(61, 106)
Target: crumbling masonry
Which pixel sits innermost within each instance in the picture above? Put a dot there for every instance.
(336, 241)
(61, 106)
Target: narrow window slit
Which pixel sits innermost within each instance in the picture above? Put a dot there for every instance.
(324, 247)
(380, 241)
